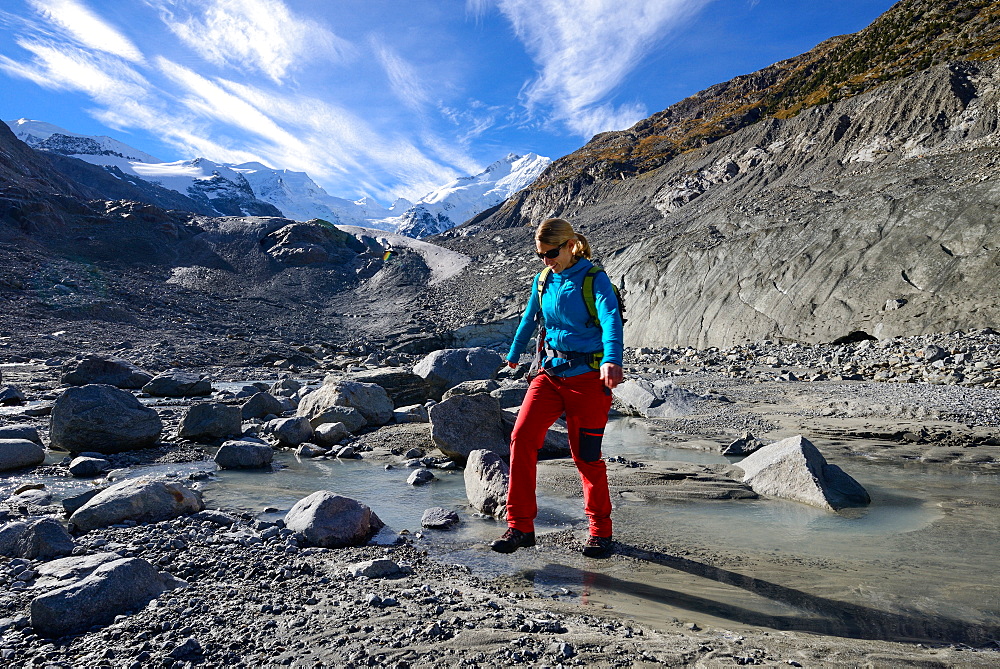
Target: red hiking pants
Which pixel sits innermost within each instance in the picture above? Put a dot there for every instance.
(586, 404)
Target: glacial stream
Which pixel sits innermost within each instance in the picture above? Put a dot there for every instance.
(919, 564)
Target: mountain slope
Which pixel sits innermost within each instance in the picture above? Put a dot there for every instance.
(910, 37)
(878, 212)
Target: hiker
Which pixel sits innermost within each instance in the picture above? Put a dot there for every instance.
(580, 362)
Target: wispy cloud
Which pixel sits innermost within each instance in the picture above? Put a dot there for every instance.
(585, 49)
(87, 28)
(403, 78)
(61, 67)
(251, 35)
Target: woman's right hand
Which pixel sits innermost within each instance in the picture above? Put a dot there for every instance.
(512, 364)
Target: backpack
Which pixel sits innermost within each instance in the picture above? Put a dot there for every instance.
(589, 299)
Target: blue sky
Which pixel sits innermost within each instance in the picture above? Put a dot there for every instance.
(384, 98)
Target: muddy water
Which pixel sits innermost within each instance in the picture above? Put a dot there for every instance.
(919, 564)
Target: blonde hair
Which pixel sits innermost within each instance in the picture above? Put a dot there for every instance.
(556, 232)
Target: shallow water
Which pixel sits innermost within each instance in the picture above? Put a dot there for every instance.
(919, 563)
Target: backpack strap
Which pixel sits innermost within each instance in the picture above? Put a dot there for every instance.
(589, 299)
(543, 281)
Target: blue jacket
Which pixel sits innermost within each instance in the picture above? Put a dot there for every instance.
(567, 325)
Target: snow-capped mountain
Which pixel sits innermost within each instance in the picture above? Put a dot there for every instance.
(254, 189)
(463, 198)
(52, 138)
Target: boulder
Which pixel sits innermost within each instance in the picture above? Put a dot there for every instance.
(291, 431)
(104, 419)
(486, 479)
(98, 369)
(19, 453)
(112, 589)
(377, 568)
(285, 388)
(745, 445)
(420, 477)
(402, 385)
(438, 518)
(178, 383)
(244, 454)
(71, 504)
(414, 413)
(794, 469)
(368, 398)
(332, 521)
(260, 405)
(330, 434)
(307, 450)
(656, 399)
(142, 500)
(510, 396)
(37, 539)
(349, 416)
(211, 420)
(471, 388)
(11, 395)
(21, 431)
(447, 368)
(84, 467)
(464, 423)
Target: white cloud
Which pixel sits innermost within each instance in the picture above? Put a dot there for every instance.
(87, 28)
(255, 35)
(585, 49)
(59, 67)
(591, 120)
(402, 76)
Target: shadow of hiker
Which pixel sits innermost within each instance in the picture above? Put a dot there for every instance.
(823, 616)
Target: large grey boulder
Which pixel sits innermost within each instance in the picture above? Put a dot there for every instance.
(487, 477)
(448, 367)
(369, 399)
(21, 431)
(332, 521)
(86, 467)
(102, 418)
(291, 431)
(402, 385)
(178, 383)
(38, 539)
(19, 453)
(99, 369)
(112, 589)
(211, 420)
(656, 399)
(330, 434)
(244, 454)
(260, 405)
(471, 388)
(745, 445)
(794, 469)
(465, 423)
(349, 416)
(11, 395)
(142, 500)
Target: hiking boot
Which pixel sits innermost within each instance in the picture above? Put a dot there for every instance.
(597, 547)
(512, 540)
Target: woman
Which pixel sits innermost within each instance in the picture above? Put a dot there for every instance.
(582, 363)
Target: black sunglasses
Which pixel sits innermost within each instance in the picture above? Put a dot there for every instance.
(551, 253)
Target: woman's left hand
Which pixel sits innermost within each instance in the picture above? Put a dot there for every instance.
(611, 374)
